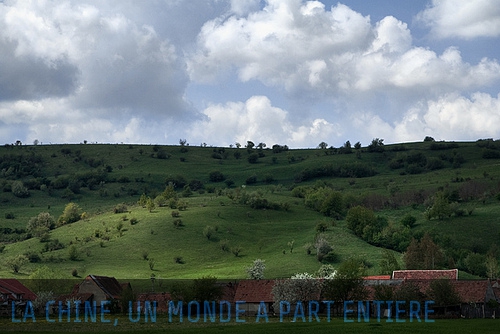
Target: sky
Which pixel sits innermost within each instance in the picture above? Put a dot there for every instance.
(217, 72)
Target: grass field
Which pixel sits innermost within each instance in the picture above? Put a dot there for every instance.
(131, 170)
(336, 325)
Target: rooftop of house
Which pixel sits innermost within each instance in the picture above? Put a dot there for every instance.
(425, 274)
(11, 286)
(254, 291)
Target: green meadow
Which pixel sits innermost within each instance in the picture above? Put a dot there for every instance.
(395, 181)
(336, 325)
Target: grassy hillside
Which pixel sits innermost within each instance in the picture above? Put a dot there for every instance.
(392, 180)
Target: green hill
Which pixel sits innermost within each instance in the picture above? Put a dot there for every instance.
(251, 199)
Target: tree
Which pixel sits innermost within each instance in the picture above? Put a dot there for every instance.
(72, 213)
(377, 145)
(250, 145)
(388, 263)
(142, 200)
(423, 254)
(442, 292)
(150, 204)
(256, 270)
(440, 208)
(19, 190)
(299, 288)
(322, 247)
(41, 224)
(358, 218)
(346, 148)
(323, 145)
(17, 262)
(348, 282)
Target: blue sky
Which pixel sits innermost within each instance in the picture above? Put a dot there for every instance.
(223, 71)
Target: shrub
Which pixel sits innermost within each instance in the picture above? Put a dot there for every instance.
(178, 223)
(74, 272)
(321, 227)
(487, 154)
(120, 208)
(178, 259)
(216, 176)
(236, 250)
(71, 214)
(253, 158)
(33, 257)
(208, 231)
(73, 253)
(19, 190)
(133, 221)
(175, 214)
(16, 263)
(151, 263)
(409, 221)
(331, 257)
(251, 179)
(224, 245)
(145, 255)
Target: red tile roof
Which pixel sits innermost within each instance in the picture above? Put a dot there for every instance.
(11, 286)
(255, 291)
(471, 291)
(425, 274)
(109, 285)
(377, 278)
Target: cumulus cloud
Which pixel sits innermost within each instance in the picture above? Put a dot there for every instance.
(258, 120)
(462, 18)
(303, 47)
(99, 64)
(450, 117)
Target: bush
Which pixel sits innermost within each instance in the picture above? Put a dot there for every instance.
(208, 231)
(251, 179)
(71, 214)
(253, 158)
(74, 272)
(216, 176)
(487, 154)
(178, 259)
(331, 257)
(236, 251)
(178, 223)
(73, 253)
(224, 245)
(321, 227)
(19, 190)
(409, 221)
(133, 221)
(120, 208)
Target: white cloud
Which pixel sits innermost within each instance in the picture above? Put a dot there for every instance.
(462, 18)
(452, 117)
(322, 53)
(95, 59)
(257, 120)
(244, 7)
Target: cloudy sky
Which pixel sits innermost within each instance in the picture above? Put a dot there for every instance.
(223, 71)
